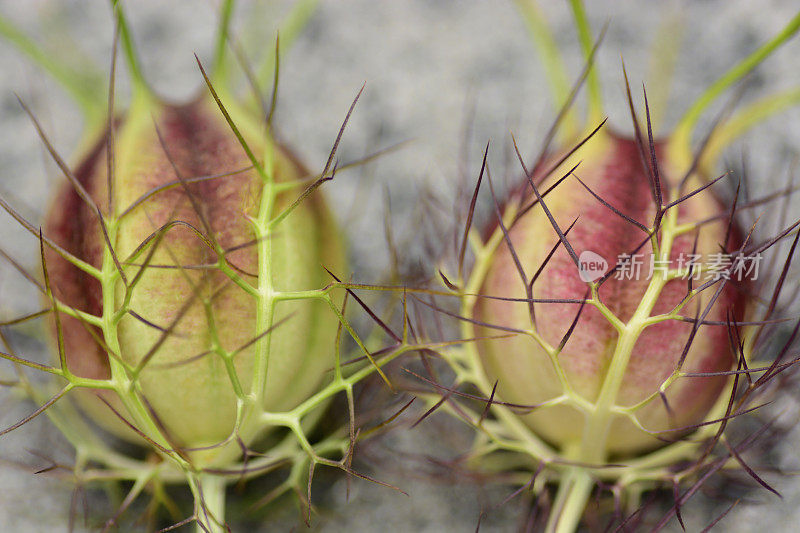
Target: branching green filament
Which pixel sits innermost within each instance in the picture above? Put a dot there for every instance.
(580, 464)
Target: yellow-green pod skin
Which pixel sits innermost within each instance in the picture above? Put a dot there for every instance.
(201, 290)
(611, 166)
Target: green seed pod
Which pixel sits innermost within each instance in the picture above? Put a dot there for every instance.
(190, 275)
(611, 309)
(611, 169)
(184, 307)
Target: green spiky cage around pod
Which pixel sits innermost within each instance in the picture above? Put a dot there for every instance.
(207, 467)
(471, 375)
(504, 443)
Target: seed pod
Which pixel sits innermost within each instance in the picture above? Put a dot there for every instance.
(185, 277)
(611, 308)
(612, 169)
(190, 268)
(183, 307)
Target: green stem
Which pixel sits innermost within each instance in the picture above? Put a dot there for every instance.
(290, 28)
(123, 384)
(552, 62)
(211, 509)
(265, 312)
(663, 59)
(598, 423)
(220, 74)
(573, 493)
(587, 44)
(138, 81)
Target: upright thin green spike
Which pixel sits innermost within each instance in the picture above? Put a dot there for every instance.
(138, 81)
(680, 145)
(223, 31)
(587, 44)
(291, 26)
(663, 59)
(256, 165)
(553, 63)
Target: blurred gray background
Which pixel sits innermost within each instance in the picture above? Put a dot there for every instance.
(425, 63)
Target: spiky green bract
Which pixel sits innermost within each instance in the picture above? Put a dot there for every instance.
(633, 319)
(211, 284)
(190, 273)
(624, 380)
